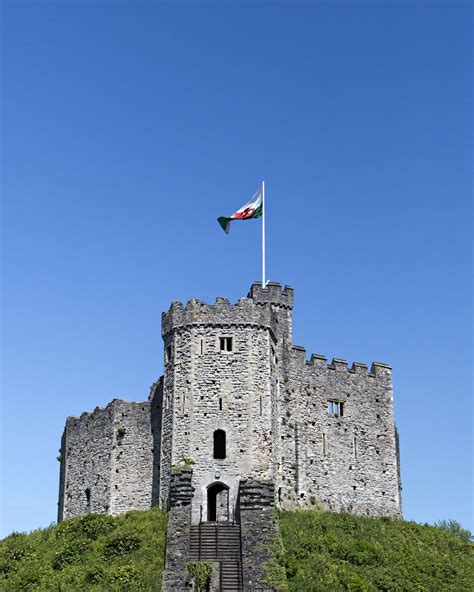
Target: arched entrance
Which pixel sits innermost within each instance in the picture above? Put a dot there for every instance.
(218, 503)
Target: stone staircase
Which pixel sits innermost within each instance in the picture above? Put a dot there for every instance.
(219, 541)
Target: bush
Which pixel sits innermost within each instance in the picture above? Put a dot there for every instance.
(90, 527)
(16, 548)
(120, 435)
(69, 554)
(121, 545)
(455, 529)
(201, 572)
(125, 578)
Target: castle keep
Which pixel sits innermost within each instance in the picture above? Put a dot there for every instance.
(239, 403)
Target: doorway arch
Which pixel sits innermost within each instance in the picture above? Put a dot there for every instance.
(218, 502)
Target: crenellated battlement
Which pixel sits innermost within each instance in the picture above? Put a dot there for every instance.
(272, 293)
(195, 312)
(339, 364)
(244, 403)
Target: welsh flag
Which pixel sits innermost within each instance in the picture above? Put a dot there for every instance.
(252, 209)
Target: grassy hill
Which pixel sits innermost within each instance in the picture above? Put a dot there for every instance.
(95, 553)
(319, 552)
(325, 552)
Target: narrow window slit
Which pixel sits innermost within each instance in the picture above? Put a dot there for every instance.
(219, 444)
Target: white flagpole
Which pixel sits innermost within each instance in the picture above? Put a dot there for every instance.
(263, 234)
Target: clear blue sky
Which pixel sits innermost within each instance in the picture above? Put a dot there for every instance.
(128, 128)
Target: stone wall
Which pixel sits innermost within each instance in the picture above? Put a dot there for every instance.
(259, 529)
(272, 404)
(132, 458)
(87, 463)
(208, 389)
(344, 462)
(156, 410)
(175, 575)
(107, 461)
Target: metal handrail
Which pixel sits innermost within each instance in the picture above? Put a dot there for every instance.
(200, 535)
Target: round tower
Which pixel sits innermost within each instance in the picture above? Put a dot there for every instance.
(219, 396)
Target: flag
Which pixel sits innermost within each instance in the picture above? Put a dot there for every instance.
(252, 209)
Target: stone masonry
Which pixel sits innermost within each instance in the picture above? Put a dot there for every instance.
(239, 402)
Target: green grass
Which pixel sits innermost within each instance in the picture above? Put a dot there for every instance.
(332, 552)
(94, 553)
(318, 552)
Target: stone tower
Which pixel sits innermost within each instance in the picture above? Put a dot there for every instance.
(238, 401)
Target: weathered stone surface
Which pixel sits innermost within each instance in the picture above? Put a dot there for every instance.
(259, 528)
(272, 404)
(176, 576)
(107, 459)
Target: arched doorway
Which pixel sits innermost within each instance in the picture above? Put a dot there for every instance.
(218, 503)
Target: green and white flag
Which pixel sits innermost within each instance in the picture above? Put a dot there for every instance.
(252, 209)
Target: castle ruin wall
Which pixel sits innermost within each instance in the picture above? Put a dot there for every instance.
(107, 461)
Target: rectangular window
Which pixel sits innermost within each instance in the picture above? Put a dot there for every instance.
(335, 408)
(168, 354)
(225, 344)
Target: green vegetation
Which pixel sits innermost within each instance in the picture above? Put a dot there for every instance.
(95, 553)
(201, 572)
(336, 552)
(274, 574)
(455, 529)
(120, 435)
(317, 552)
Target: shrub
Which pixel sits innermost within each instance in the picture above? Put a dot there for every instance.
(121, 545)
(16, 548)
(120, 435)
(201, 572)
(274, 574)
(94, 575)
(90, 527)
(69, 554)
(125, 578)
(454, 528)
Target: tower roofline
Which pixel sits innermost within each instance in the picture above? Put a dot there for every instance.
(272, 293)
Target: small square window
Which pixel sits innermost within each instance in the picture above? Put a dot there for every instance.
(226, 344)
(336, 408)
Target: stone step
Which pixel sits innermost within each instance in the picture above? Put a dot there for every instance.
(230, 576)
(215, 541)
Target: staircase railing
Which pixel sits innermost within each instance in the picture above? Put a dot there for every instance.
(200, 534)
